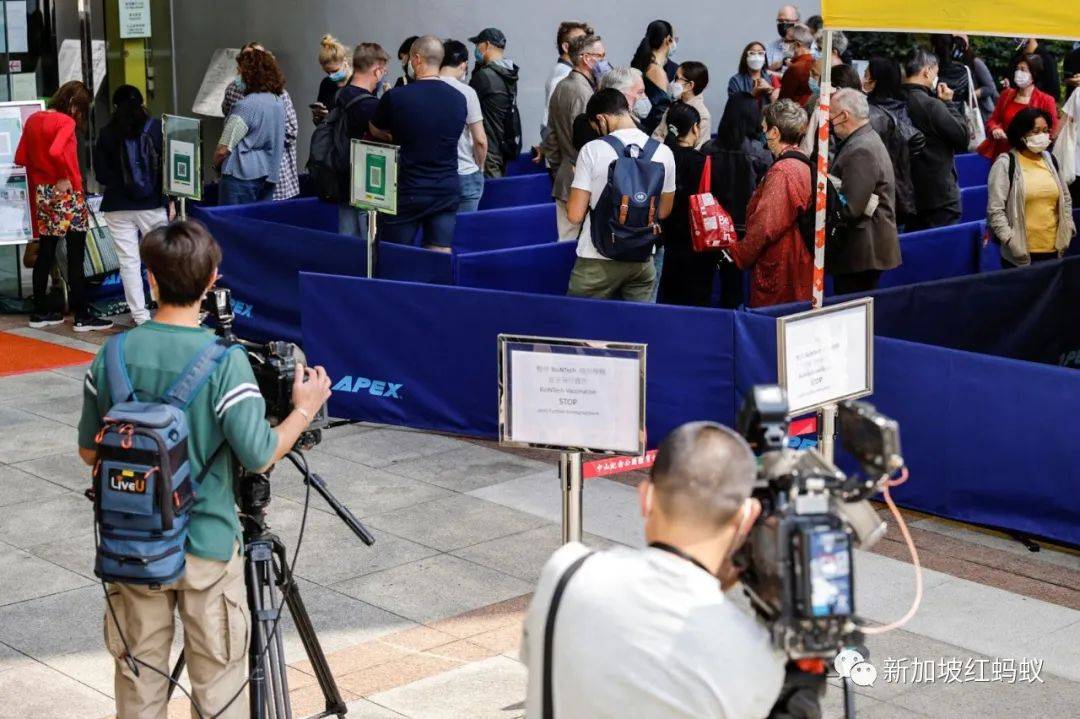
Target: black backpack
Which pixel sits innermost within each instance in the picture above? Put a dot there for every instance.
(835, 224)
(140, 164)
(510, 145)
(898, 138)
(328, 164)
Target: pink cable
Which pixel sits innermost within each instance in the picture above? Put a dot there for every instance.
(914, 560)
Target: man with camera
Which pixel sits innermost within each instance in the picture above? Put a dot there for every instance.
(225, 418)
(649, 633)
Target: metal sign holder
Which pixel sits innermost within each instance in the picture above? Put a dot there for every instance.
(373, 179)
(570, 457)
(185, 130)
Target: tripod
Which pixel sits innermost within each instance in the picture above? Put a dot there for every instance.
(266, 572)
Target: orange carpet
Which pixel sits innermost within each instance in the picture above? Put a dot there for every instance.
(22, 354)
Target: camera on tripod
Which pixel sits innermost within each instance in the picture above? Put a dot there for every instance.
(274, 365)
(798, 560)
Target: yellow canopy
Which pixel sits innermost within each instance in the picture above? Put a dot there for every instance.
(1057, 19)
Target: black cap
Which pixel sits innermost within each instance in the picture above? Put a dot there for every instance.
(492, 35)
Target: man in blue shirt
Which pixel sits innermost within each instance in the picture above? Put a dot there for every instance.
(426, 118)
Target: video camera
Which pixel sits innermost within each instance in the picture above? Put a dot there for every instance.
(274, 366)
(798, 560)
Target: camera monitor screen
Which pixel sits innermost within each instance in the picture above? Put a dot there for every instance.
(830, 573)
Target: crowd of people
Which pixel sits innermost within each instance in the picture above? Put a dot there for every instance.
(896, 129)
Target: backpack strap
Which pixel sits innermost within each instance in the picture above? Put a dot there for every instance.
(650, 149)
(616, 144)
(120, 387)
(197, 373)
(547, 703)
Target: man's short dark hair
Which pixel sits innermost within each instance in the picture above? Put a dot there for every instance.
(406, 45)
(606, 102)
(843, 76)
(367, 55)
(580, 44)
(703, 473)
(918, 60)
(697, 73)
(568, 26)
(183, 257)
(1023, 123)
(454, 53)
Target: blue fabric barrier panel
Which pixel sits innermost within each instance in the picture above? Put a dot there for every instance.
(505, 228)
(543, 269)
(309, 213)
(436, 348)
(972, 169)
(935, 254)
(523, 165)
(412, 264)
(516, 191)
(973, 202)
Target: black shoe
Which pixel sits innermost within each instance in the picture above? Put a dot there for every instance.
(49, 318)
(89, 324)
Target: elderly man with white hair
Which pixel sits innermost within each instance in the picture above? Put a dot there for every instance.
(631, 83)
(866, 181)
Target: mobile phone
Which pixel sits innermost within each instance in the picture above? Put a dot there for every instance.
(316, 106)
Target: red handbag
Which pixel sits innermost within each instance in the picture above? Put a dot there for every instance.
(711, 227)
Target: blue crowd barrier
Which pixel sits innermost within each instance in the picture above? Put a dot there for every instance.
(523, 165)
(541, 269)
(972, 169)
(516, 191)
(506, 227)
(308, 212)
(210, 191)
(441, 354)
(936, 253)
(973, 203)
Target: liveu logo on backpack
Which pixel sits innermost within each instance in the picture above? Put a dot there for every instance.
(624, 223)
(143, 490)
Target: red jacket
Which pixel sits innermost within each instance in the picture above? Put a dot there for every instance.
(1004, 112)
(49, 152)
(781, 268)
(795, 85)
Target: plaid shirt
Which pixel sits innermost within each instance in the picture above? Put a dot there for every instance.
(288, 185)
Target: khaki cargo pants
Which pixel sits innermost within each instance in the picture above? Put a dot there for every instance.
(212, 601)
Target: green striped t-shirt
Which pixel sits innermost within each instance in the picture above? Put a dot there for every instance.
(229, 407)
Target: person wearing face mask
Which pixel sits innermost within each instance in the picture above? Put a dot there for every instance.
(779, 51)
(334, 60)
(568, 31)
(1022, 94)
(772, 250)
(473, 145)
(358, 101)
(403, 57)
(1029, 210)
(652, 58)
(628, 81)
(691, 79)
(941, 122)
(753, 77)
(1048, 81)
(867, 183)
(662, 636)
(568, 101)
(797, 83)
(495, 79)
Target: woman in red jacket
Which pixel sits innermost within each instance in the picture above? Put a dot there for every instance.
(1022, 94)
(781, 268)
(48, 150)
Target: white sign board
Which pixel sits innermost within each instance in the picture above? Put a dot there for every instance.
(69, 60)
(15, 224)
(572, 394)
(219, 74)
(134, 18)
(826, 356)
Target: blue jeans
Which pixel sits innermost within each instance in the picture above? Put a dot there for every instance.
(234, 191)
(472, 189)
(436, 216)
(352, 221)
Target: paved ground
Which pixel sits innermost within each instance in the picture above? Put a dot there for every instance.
(426, 622)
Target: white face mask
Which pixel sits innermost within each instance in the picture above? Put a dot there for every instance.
(1022, 78)
(1038, 143)
(677, 89)
(755, 61)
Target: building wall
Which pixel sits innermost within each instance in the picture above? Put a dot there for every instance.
(712, 31)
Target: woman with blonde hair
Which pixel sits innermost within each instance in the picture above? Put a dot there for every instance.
(334, 59)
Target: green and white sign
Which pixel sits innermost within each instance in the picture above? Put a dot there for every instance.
(183, 161)
(134, 18)
(374, 173)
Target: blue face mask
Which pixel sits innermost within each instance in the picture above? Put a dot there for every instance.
(815, 86)
(340, 75)
(478, 56)
(600, 69)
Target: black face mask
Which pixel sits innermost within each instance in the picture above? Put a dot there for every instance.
(782, 28)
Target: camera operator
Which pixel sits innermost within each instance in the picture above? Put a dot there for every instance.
(649, 632)
(226, 417)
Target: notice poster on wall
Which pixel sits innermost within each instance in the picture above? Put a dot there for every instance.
(134, 18)
(12, 119)
(15, 224)
(219, 74)
(826, 356)
(13, 28)
(572, 394)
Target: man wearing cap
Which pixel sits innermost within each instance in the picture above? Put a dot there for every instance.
(495, 79)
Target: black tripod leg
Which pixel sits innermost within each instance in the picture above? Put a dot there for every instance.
(335, 705)
(176, 672)
(849, 699)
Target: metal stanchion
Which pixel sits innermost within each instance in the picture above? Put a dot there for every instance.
(570, 478)
(827, 431)
(371, 220)
(182, 214)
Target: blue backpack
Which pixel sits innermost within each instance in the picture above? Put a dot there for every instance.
(624, 223)
(141, 165)
(142, 487)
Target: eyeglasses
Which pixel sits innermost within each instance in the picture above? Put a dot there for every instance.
(600, 55)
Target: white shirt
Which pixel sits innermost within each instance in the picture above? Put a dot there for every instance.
(591, 173)
(558, 72)
(647, 634)
(466, 163)
(775, 52)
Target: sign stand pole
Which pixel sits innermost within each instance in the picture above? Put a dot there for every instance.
(570, 477)
(183, 209)
(371, 219)
(827, 431)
